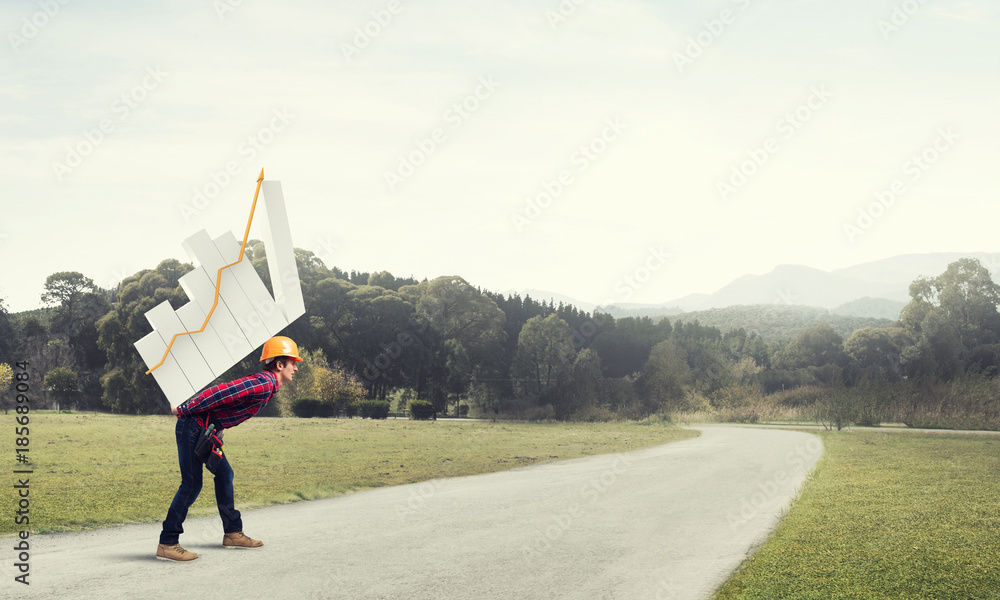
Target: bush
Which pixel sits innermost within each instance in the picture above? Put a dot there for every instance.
(802, 396)
(737, 396)
(838, 408)
(373, 409)
(311, 407)
(421, 409)
(593, 413)
(540, 413)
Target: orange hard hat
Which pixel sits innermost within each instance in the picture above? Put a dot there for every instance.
(280, 345)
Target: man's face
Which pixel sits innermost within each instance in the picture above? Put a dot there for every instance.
(286, 369)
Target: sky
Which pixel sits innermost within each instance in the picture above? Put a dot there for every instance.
(609, 150)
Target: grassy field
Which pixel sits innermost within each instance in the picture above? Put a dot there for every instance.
(903, 515)
(95, 469)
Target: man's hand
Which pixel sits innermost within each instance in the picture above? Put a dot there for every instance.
(173, 410)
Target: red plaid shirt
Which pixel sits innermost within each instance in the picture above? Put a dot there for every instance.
(233, 402)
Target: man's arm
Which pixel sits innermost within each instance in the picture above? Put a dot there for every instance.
(224, 393)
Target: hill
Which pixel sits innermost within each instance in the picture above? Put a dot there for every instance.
(874, 308)
(887, 279)
(777, 322)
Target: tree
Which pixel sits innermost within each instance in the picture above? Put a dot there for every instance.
(953, 320)
(813, 347)
(457, 311)
(544, 353)
(44, 352)
(383, 279)
(448, 308)
(624, 344)
(582, 389)
(126, 386)
(6, 376)
(67, 289)
(370, 330)
(937, 351)
(63, 384)
(8, 336)
(303, 385)
(79, 304)
(877, 351)
(334, 384)
(665, 380)
(459, 369)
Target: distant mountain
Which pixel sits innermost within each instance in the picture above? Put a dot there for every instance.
(887, 279)
(877, 289)
(903, 269)
(777, 322)
(874, 308)
(798, 285)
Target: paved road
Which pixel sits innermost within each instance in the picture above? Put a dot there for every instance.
(670, 522)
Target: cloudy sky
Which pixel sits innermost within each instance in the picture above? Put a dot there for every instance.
(609, 150)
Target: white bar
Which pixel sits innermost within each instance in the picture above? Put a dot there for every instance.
(246, 314)
(267, 311)
(280, 253)
(201, 289)
(194, 366)
(208, 341)
(231, 293)
(168, 376)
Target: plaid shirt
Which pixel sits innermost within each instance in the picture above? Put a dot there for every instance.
(233, 402)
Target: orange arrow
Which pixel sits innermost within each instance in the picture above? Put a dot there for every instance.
(218, 279)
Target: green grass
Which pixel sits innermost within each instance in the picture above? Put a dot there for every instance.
(93, 470)
(887, 516)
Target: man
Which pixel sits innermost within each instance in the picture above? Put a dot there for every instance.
(226, 405)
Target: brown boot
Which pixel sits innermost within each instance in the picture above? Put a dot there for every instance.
(174, 552)
(239, 540)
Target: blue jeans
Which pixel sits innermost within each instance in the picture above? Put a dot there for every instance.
(187, 431)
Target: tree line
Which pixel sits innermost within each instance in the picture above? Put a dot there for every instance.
(447, 344)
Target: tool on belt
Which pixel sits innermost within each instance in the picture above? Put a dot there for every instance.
(208, 448)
